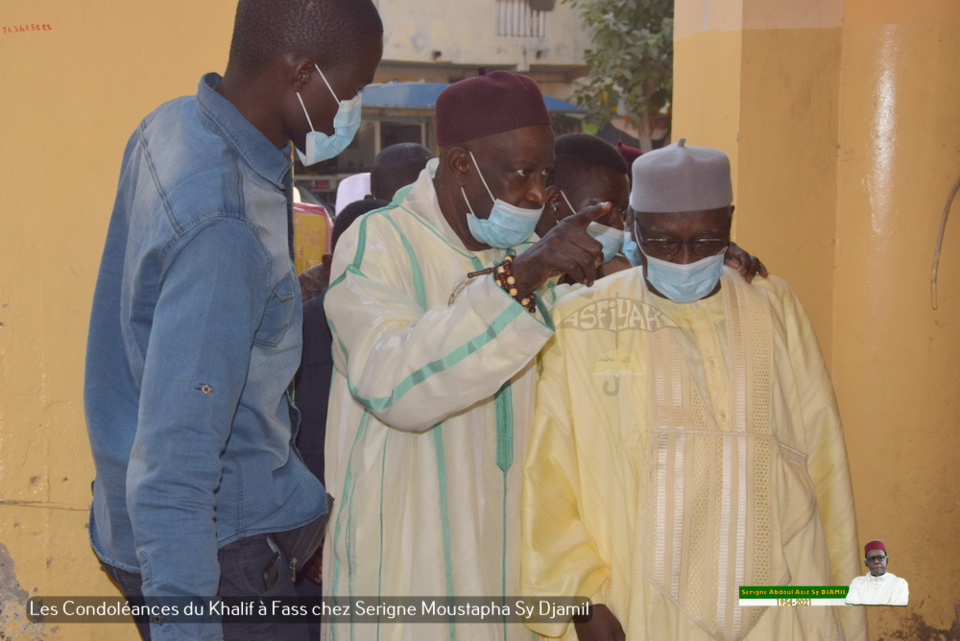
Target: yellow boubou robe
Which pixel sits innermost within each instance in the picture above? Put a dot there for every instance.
(680, 451)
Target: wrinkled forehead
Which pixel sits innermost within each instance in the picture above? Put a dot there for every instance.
(532, 145)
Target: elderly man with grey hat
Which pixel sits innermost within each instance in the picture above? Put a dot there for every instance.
(687, 439)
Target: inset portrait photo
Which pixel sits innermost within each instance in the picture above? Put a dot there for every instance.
(877, 587)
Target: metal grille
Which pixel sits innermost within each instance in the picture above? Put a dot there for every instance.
(515, 19)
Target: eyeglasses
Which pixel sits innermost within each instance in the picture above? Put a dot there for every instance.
(871, 559)
(670, 247)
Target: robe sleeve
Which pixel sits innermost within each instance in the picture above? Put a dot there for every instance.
(559, 555)
(409, 364)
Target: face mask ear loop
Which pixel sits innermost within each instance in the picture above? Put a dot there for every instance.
(467, 200)
(481, 178)
(324, 78)
(309, 122)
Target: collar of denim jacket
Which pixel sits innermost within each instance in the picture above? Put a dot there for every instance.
(219, 114)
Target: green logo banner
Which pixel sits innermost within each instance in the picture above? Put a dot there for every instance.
(793, 591)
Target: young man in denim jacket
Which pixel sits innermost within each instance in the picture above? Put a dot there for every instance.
(195, 328)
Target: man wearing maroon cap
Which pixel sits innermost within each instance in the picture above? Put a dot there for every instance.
(435, 331)
(877, 587)
(629, 153)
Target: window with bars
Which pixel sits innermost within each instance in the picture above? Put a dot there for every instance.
(519, 19)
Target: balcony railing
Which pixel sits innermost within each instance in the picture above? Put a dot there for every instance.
(515, 19)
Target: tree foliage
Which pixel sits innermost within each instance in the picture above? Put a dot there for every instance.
(631, 61)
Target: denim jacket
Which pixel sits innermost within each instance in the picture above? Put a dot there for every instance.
(194, 338)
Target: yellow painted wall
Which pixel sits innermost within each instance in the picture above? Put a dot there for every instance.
(70, 96)
(900, 379)
(842, 121)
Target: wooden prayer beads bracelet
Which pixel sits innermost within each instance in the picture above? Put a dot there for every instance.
(503, 275)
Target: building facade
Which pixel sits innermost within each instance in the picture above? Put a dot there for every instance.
(442, 42)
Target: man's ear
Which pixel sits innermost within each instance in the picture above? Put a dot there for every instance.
(554, 200)
(460, 165)
(300, 72)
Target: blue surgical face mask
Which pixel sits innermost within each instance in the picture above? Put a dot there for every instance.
(685, 283)
(631, 249)
(506, 226)
(610, 237)
(320, 146)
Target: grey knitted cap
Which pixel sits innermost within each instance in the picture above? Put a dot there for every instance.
(678, 178)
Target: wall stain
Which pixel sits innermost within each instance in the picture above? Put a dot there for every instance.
(915, 628)
(14, 623)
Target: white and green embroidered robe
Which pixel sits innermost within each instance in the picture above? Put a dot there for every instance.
(429, 413)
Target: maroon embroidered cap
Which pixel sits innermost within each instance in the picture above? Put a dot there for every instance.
(629, 153)
(487, 104)
(874, 545)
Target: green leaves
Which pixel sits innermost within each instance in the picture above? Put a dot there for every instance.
(631, 62)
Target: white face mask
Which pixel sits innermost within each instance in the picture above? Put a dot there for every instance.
(506, 226)
(610, 237)
(320, 146)
(631, 249)
(685, 283)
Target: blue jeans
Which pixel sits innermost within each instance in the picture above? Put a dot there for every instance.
(242, 574)
(307, 589)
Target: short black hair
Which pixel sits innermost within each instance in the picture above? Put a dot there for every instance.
(576, 152)
(328, 30)
(349, 214)
(397, 166)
